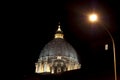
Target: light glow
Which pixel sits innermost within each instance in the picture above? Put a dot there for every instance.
(106, 46)
(93, 17)
(58, 57)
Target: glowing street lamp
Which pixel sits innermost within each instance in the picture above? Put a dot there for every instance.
(93, 18)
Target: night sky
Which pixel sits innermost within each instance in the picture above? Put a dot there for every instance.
(39, 20)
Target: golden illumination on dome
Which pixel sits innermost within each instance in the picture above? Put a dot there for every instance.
(58, 57)
(59, 33)
(59, 28)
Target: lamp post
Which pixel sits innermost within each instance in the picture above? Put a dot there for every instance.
(93, 18)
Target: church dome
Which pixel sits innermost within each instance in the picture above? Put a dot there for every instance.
(59, 47)
(57, 56)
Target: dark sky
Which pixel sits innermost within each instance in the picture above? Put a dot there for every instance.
(38, 23)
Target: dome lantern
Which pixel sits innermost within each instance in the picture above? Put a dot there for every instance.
(59, 33)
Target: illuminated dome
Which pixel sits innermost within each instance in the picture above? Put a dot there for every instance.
(57, 56)
(58, 47)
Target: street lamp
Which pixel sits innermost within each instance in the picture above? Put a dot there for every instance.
(93, 18)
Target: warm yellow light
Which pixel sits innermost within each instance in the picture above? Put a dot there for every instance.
(93, 17)
(58, 57)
